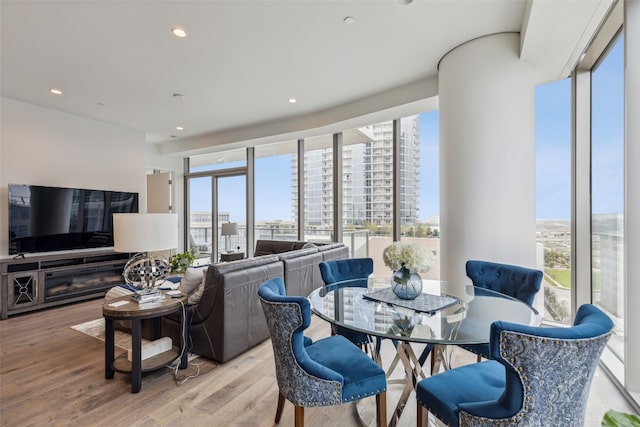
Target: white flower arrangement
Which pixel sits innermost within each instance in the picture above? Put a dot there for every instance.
(410, 256)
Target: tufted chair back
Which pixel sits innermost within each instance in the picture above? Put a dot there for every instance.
(540, 376)
(518, 282)
(301, 380)
(327, 372)
(354, 270)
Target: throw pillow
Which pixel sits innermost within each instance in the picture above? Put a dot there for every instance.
(192, 279)
(308, 245)
(194, 298)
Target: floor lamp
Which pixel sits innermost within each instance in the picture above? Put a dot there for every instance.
(143, 234)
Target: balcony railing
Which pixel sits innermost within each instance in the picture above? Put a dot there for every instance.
(356, 240)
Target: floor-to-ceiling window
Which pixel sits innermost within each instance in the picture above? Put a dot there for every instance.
(553, 199)
(604, 159)
(425, 230)
(276, 180)
(318, 188)
(357, 163)
(368, 192)
(607, 189)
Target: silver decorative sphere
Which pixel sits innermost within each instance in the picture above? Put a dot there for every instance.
(144, 270)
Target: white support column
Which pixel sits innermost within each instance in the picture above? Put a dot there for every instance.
(632, 196)
(487, 156)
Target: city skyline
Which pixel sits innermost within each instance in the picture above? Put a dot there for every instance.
(553, 157)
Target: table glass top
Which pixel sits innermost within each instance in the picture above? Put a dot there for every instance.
(467, 321)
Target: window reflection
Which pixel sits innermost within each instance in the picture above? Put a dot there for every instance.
(607, 190)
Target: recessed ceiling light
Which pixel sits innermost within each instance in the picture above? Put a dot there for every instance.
(55, 91)
(179, 128)
(292, 100)
(179, 32)
(178, 96)
(349, 20)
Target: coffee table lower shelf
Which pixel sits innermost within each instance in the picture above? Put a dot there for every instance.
(123, 365)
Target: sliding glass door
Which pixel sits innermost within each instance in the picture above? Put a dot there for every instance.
(214, 199)
(230, 207)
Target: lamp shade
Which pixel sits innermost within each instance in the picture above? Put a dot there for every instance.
(145, 232)
(229, 229)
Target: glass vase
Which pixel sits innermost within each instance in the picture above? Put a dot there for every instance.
(406, 284)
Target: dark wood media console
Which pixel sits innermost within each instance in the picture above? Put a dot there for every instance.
(41, 281)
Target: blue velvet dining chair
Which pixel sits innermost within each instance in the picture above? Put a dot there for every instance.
(330, 371)
(515, 281)
(352, 272)
(540, 376)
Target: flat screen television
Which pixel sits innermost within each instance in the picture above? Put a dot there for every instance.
(43, 219)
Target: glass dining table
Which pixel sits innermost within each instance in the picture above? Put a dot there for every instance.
(465, 318)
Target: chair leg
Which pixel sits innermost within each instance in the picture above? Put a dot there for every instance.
(479, 358)
(280, 407)
(421, 416)
(381, 409)
(299, 416)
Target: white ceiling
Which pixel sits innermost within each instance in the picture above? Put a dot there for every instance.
(117, 62)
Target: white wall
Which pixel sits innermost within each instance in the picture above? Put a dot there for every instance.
(40, 146)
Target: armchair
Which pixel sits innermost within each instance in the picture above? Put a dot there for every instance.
(330, 371)
(540, 376)
(512, 280)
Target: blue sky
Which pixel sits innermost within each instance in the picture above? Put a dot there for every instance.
(553, 157)
(608, 133)
(553, 150)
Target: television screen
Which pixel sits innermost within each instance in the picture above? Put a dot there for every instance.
(43, 219)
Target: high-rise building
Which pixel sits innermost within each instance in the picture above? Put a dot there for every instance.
(367, 178)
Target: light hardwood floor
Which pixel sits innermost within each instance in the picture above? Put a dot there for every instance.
(51, 375)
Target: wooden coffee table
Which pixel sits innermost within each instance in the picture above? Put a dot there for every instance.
(125, 308)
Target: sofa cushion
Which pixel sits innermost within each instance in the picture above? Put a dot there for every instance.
(301, 271)
(298, 253)
(334, 251)
(270, 247)
(241, 264)
(328, 246)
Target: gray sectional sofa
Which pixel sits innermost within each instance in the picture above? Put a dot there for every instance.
(228, 319)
